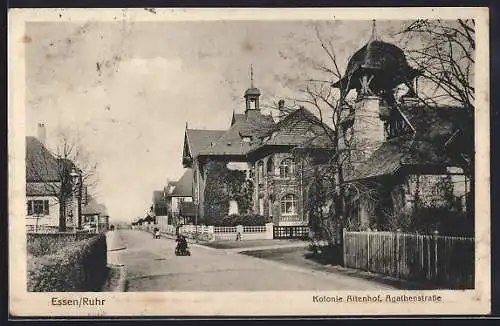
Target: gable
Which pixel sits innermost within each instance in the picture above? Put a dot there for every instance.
(301, 127)
(246, 130)
(184, 187)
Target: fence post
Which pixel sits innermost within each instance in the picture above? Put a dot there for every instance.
(211, 233)
(269, 231)
(396, 253)
(435, 255)
(239, 232)
(344, 254)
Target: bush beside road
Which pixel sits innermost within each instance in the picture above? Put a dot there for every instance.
(77, 267)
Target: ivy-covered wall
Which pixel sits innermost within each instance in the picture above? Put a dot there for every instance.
(223, 185)
(418, 203)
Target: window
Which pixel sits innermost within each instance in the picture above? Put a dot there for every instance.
(270, 166)
(286, 168)
(38, 207)
(289, 204)
(260, 172)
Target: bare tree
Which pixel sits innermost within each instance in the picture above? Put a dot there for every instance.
(62, 174)
(326, 182)
(444, 52)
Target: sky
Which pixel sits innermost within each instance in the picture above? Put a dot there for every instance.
(128, 88)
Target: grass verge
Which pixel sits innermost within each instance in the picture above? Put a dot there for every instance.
(112, 278)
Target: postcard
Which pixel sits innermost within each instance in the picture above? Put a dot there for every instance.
(249, 162)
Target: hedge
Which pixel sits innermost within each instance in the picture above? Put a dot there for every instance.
(81, 267)
(245, 220)
(39, 244)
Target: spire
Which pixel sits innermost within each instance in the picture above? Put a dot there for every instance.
(374, 31)
(251, 75)
(186, 124)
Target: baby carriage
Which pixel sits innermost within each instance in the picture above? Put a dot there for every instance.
(156, 233)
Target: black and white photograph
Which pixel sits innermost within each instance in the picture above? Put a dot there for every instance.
(244, 161)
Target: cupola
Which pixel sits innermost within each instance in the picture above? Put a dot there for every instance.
(252, 95)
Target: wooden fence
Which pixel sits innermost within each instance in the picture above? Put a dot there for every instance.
(447, 262)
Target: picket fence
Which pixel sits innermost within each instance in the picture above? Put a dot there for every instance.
(217, 233)
(445, 261)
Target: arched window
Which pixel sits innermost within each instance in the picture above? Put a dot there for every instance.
(289, 205)
(270, 166)
(286, 168)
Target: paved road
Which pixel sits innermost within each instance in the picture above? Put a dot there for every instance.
(152, 266)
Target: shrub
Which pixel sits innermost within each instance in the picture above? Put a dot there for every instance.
(245, 220)
(39, 244)
(77, 268)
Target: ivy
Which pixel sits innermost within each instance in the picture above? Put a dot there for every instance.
(222, 186)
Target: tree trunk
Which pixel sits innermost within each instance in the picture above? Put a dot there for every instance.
(62, 215)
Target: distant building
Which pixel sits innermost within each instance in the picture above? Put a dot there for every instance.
(94, 216)
(181, 192)
(160, 204)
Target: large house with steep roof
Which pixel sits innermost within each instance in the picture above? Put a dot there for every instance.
(252, 167)
(48, 185)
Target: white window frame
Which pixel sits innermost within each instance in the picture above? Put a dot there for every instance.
(289, 199)
(284, 166)
(45, 205)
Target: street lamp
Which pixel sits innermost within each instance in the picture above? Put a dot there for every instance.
(76, 178)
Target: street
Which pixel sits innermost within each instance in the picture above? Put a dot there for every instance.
(152, 266)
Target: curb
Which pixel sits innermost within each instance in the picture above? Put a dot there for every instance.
(122, 281)
(116, 249)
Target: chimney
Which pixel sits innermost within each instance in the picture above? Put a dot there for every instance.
(281, 104)
(281, 109)
(42, 133)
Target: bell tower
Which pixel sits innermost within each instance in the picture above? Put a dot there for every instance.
(252, 95)
(373, 71)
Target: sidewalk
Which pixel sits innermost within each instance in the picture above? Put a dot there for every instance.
(117, 280)
(114, 241)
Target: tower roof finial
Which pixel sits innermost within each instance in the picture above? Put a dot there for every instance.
(251, 75)
(374, 31)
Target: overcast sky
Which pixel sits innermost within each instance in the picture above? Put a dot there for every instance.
(128, 88)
